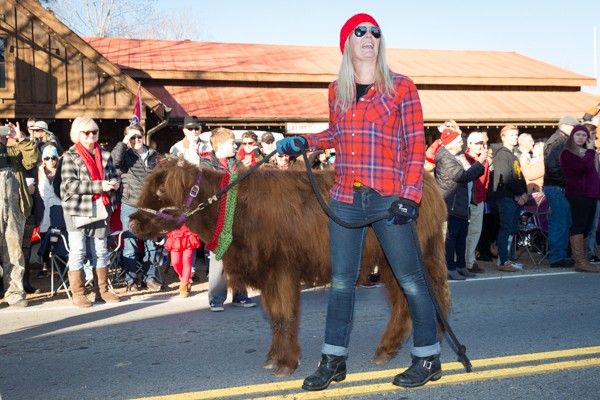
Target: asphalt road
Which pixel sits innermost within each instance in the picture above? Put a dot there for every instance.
(529, 335)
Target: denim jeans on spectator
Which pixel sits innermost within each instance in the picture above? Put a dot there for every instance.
(456, 242)
(130, 250)
(509, 211)
(399, 243)
(78, 250)
(559, 223)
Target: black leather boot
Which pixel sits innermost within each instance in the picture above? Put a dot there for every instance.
(421, 371)
(331, 368)
(26, 285)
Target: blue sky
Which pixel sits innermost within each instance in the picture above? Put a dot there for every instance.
(558, 32)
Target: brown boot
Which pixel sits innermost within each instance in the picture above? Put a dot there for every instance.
(184, 289)
(102, 281)
(582, 264)
(76, 283)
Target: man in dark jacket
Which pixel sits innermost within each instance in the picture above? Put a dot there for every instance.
(559, 221)
(510, 190)
(134, 161)
(455, 178)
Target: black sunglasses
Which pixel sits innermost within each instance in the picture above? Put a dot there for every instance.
(88, 133)
(138, 137)
(50, 158)
(193, 129)
(360, 31)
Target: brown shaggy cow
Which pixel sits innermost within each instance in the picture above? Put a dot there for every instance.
(281, 231)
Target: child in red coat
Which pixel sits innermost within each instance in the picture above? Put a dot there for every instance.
(181, 244)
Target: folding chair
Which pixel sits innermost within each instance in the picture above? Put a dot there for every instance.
(532, 236)
(115, 259)
(56, 241)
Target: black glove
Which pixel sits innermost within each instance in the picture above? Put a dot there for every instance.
(402, 211)
(292, 146)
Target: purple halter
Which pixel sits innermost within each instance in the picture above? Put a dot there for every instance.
(182, 217)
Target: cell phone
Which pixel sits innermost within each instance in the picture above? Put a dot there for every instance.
(4, 131)
(248, 158)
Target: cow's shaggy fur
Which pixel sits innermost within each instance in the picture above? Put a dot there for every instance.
(281, 233)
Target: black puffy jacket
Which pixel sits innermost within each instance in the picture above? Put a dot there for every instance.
(453, 181)
(132, 170)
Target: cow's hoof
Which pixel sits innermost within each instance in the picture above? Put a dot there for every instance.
(282, 372)
(270, 364)
(381, 359)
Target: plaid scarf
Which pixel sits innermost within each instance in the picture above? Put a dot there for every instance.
(94, 167)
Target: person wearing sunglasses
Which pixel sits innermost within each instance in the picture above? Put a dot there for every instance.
(46, 200)
(190, 146)
(89, 181)
(376, 128)
(249, 153)
(42, 136)
(134, 160)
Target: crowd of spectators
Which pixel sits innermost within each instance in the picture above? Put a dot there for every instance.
(485, 186)
(517, 171)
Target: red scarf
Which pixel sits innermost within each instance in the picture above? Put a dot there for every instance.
(242, 154)
(94, 167)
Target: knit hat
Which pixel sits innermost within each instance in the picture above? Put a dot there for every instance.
(351, 24)
(49, 151)
(568, 120)
(581, 128)
(449, 137)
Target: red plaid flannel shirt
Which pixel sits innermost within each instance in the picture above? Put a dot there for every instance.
(379, 142)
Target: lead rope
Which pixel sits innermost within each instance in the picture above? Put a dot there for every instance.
(459, 349)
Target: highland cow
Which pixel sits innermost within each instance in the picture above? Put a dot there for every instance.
(278, 227)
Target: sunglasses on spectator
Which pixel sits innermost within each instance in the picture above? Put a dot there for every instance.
(193, 129)
(360, 31)
(247, 143)
(50, 158)
(88, 133)
(134, 137)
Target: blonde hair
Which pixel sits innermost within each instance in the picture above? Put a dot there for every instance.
(508, 128)
(346, 90)
(81, 124)
(219, 136)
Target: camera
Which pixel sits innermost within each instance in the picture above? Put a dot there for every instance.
(4, 131)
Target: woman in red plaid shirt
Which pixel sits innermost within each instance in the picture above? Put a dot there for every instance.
(376, 127)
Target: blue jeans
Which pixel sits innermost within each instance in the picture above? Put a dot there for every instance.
(78, 247)
(456, 242)
(559, 223)
(130, 250)
(399, 243)
(509, 211)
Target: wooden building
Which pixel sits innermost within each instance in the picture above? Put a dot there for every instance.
(49, 72)
(52, 73)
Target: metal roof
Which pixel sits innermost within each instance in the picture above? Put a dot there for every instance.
(256, 82)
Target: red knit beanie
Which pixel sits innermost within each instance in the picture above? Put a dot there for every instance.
(353, 23)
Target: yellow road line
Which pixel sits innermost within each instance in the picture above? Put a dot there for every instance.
(379, 388)
(386, 374)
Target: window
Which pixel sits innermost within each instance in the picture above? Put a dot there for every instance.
(2, 64)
